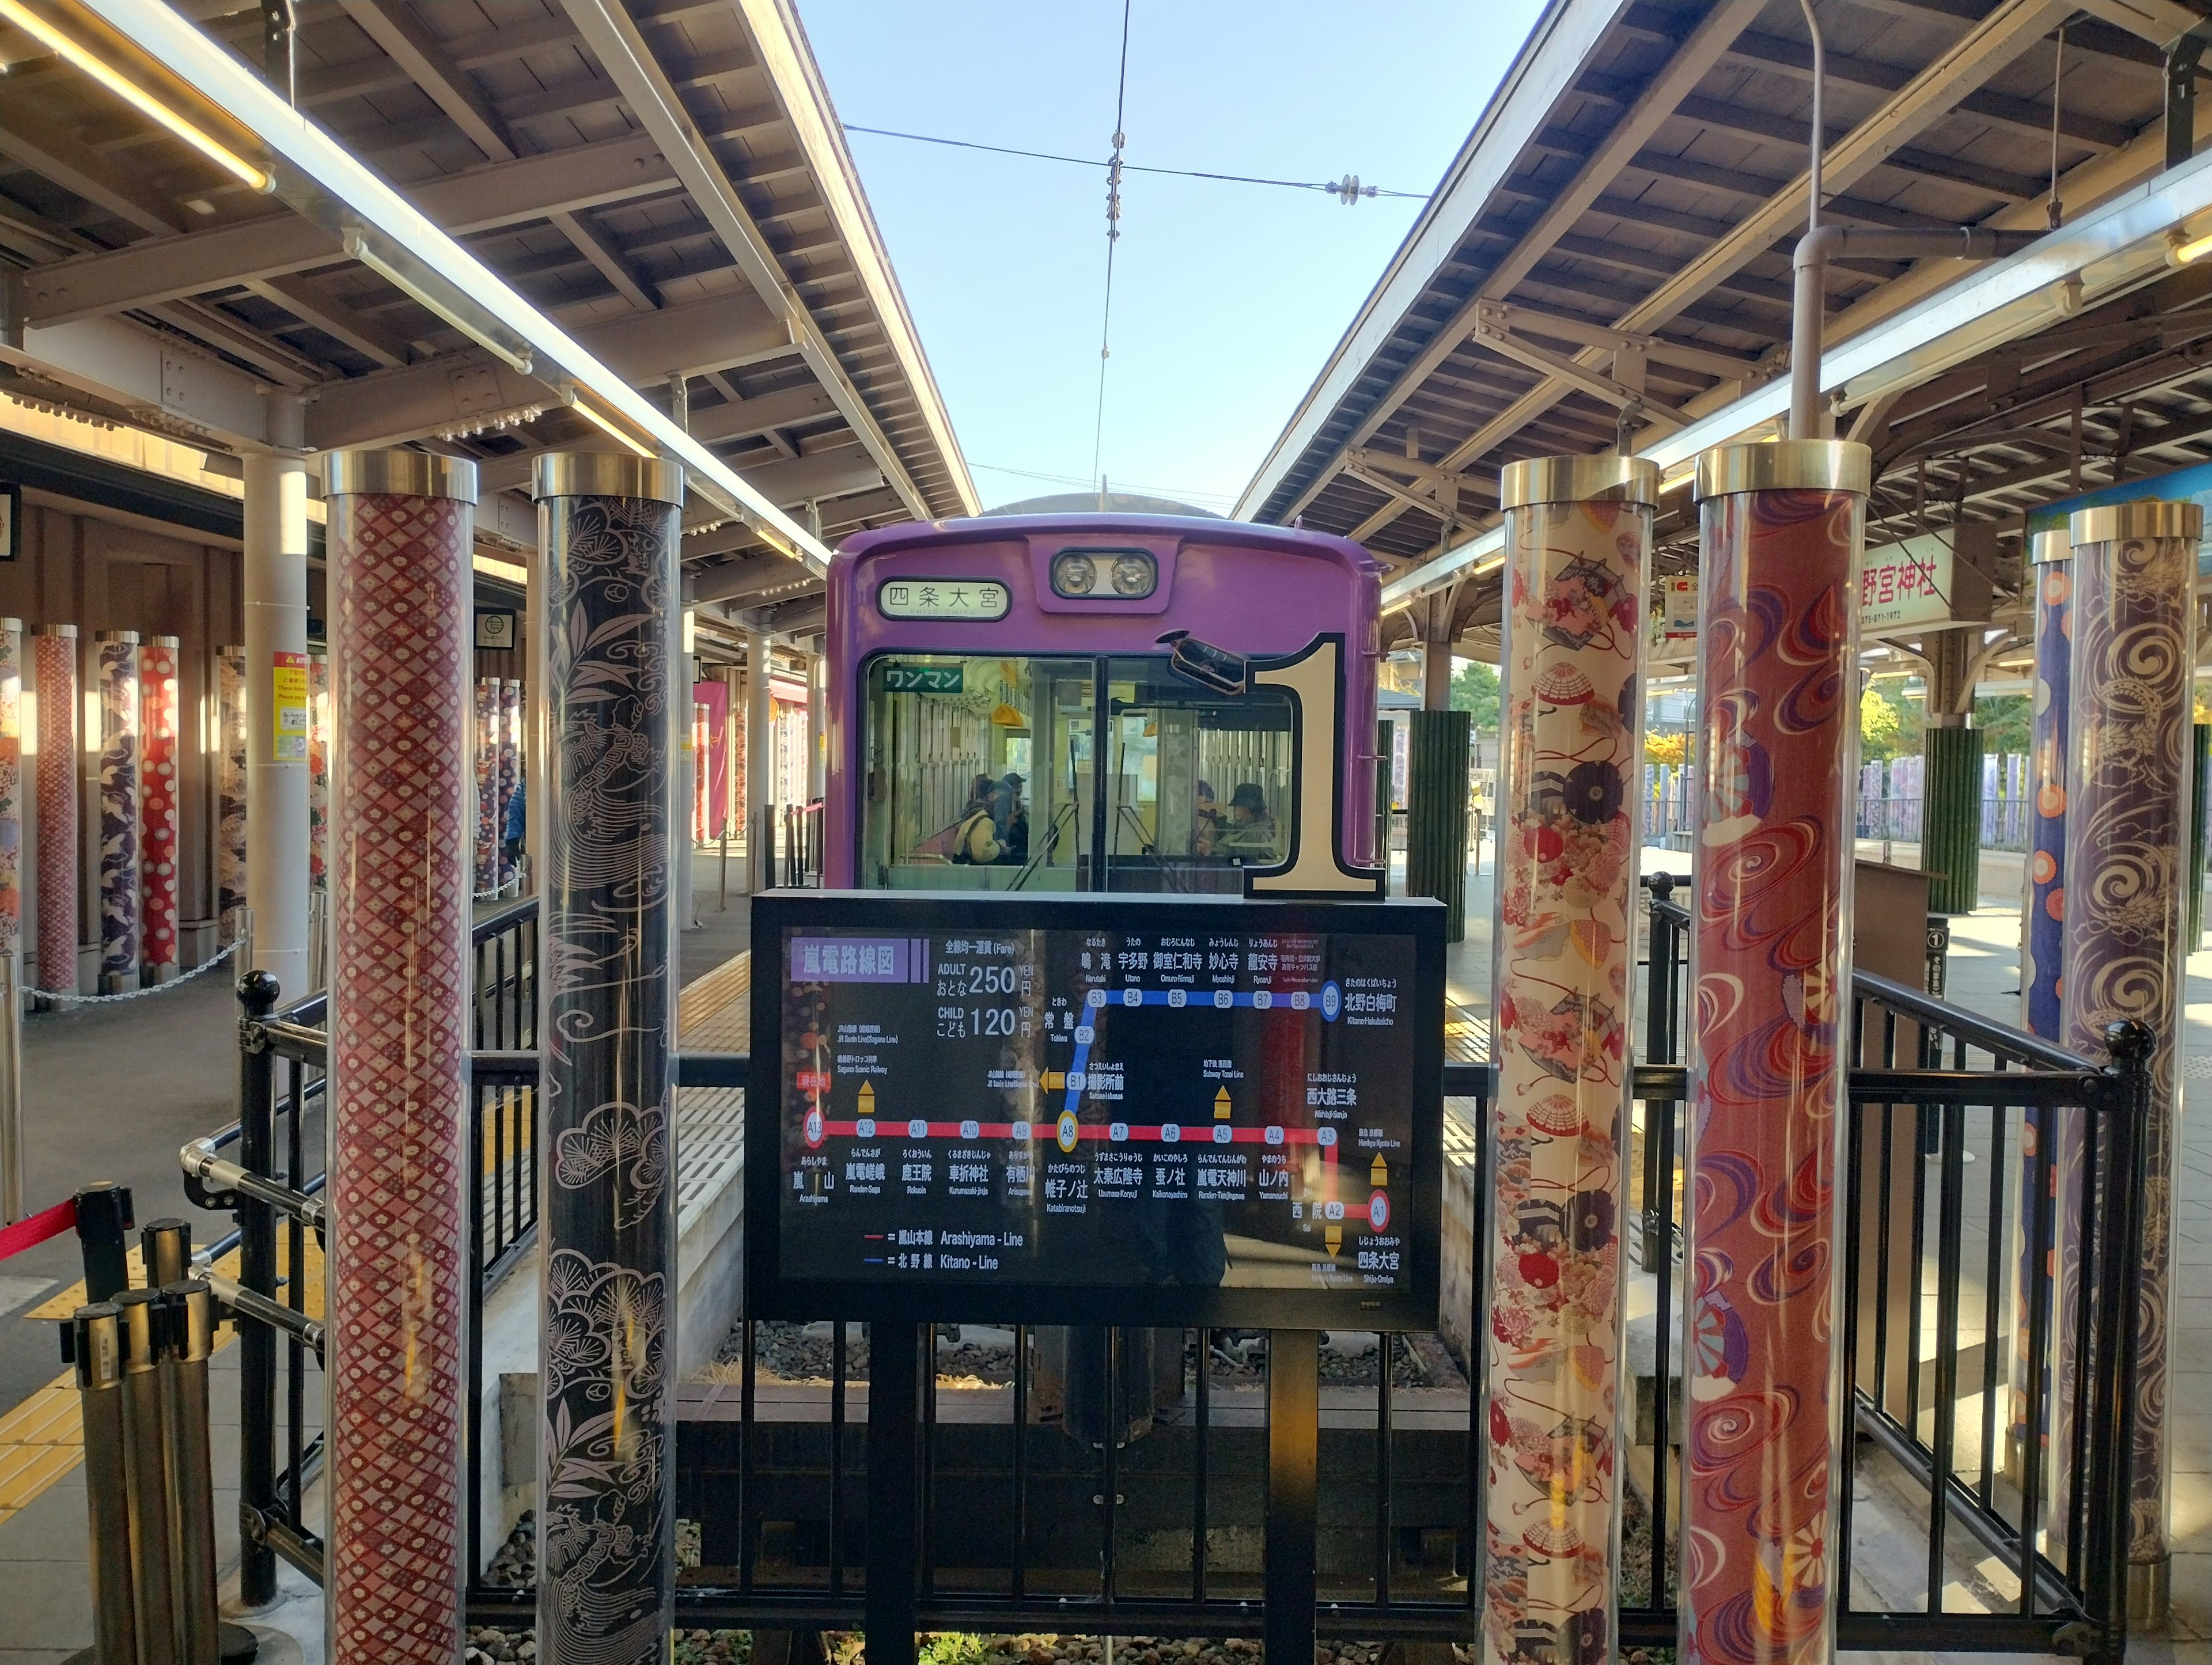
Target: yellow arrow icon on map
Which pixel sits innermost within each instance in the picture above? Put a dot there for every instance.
(1221, 1105)
(1378, 1175)
(867, 1105)
(1334, 1237)
(1053, 1080)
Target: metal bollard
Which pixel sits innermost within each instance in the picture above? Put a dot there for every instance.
(166, 1246)
(189, 1340)
(96, 1344)
(146, 1472)
(103, 1215)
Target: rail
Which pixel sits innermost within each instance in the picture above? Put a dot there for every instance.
(1112, 1482)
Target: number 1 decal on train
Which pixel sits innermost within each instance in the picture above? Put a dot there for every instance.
(1099, 702)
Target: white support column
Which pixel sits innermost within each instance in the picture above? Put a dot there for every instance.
(276, 574)
(760, 768)
(818, 754)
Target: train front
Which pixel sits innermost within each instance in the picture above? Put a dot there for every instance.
(1066, 704)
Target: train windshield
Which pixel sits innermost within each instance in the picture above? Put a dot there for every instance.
(1074, 773)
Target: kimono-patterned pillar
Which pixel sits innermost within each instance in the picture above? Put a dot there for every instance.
(2127, 844)
(1782, 529)
(400, 1266)
(157, 806)
(2042, 957)
(115, 660)
(54, 665)
(230, 791)
(11, 790)
(609, 534)
(1578, 540)
(319, 771)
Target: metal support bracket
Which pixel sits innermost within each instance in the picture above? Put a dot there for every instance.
(2183, 59)
(1490, 332)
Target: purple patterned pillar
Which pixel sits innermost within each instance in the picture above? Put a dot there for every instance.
(115, 679)
(606, 1589)
(157, 806)
(1780, 544)
(400, 530)
(1578, 537)
(319, 771)
(2127, 848)
(54, 655)
(2042, 954)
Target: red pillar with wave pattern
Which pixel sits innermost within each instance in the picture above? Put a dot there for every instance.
(157, 806)
(401, 805)
(54, 664)
(1779, 548)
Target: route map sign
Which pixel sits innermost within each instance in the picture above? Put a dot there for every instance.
(1151, 1110)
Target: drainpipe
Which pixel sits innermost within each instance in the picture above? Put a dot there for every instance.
(1821, 243)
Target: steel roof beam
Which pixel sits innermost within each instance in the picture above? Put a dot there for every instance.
(1984, 50)
(462, 390)
(615, 41)
(1691, 60)
(477, 199)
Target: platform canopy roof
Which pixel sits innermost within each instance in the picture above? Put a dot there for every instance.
(1609, 256)
(627, 192)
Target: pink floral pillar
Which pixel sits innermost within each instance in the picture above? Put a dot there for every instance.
(1779, 545)
(399, 1261)
(157, 806)
(54, 665)
(1578, 541)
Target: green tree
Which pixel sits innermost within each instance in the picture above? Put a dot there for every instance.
(1879, 726)
(2007, 723)
(1475, 690)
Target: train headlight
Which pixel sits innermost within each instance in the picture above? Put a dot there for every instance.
(1075, 574)
(1134, 576)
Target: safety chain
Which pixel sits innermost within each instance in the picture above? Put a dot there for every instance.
(60, 997)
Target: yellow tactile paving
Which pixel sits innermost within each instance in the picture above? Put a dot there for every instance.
(715, 1013)
(43, 1438)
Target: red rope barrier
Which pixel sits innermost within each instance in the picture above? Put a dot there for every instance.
(48, 1222)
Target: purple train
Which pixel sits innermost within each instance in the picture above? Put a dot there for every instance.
(1085, 703)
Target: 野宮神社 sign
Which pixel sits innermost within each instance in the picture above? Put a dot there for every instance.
(947, 599)
(1905, 585)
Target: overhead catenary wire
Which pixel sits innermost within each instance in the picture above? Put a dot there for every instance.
(1345, 190)
(1113, 236)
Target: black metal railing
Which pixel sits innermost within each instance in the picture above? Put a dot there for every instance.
(261, 1167)
(802, 845)
(1115, 1482)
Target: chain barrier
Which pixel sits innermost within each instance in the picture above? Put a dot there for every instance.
(62, 998)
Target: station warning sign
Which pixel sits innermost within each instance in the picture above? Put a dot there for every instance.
(290, 707)
(1154, 1111)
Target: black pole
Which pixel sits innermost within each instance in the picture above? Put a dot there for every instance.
(258, 993)
(894, 1388)
(1293, 1468)
(103, 1218)
(2118, 1318)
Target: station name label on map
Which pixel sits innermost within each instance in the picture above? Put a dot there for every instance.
(949, 599)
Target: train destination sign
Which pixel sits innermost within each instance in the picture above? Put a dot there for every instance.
(1142, 1111)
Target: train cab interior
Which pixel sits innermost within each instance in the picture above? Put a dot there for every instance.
(1106, 772)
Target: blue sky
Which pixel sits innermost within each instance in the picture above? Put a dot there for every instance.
(1227, 299)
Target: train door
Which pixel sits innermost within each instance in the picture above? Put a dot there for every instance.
(1197, 784)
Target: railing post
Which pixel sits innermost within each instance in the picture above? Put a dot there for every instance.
(258, 993)
(2118, 1317)
(1659, 1048)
